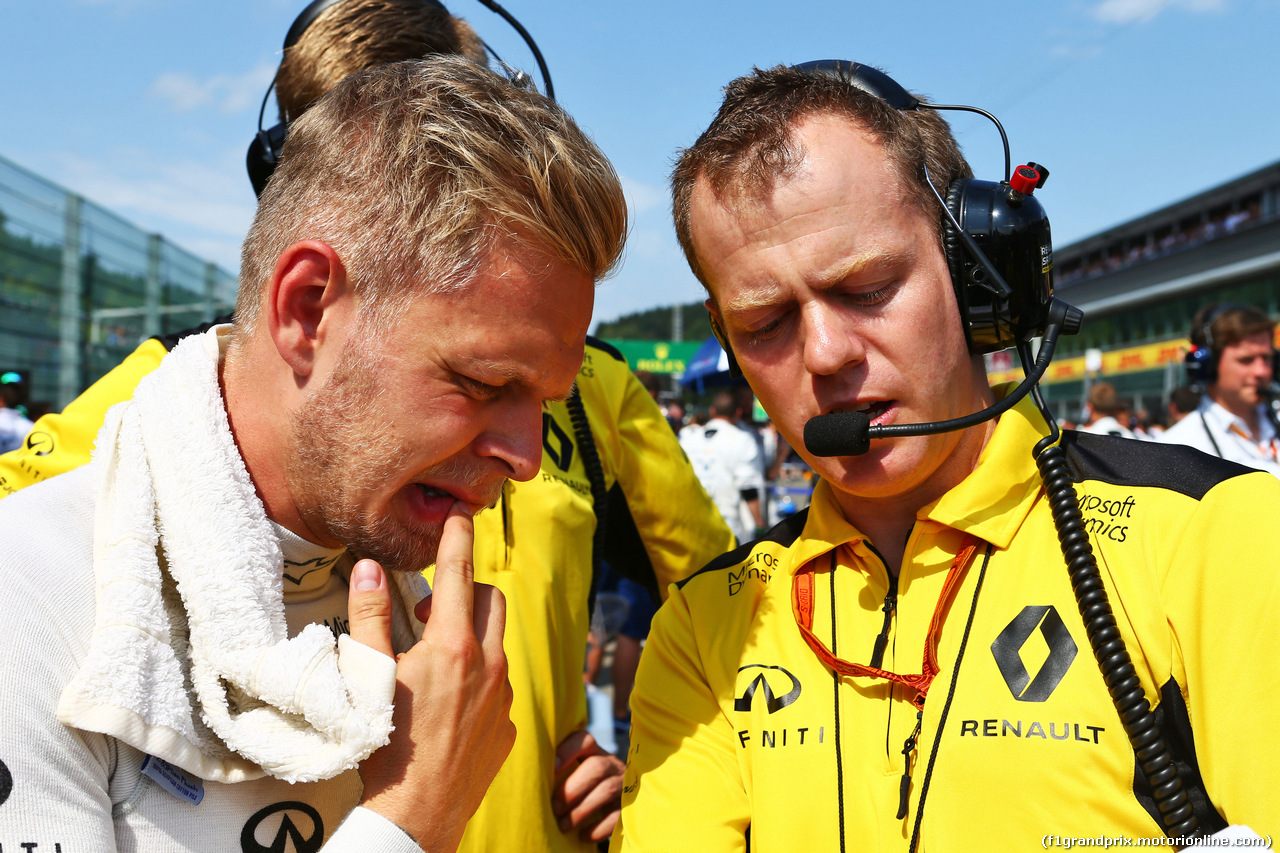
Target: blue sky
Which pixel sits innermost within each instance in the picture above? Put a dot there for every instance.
(147, 106)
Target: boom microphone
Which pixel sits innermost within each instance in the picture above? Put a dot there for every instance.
(838, 434)
(850, 433)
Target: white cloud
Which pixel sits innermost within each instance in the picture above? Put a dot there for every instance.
(1139, 11)
(227, 93)
(193, 204)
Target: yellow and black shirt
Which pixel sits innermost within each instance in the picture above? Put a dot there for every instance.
(742, 735)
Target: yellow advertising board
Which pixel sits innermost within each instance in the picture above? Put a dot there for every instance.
(1114, 362)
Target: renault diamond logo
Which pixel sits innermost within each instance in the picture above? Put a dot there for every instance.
(771, 701)
(1008, 653)
(557, 443)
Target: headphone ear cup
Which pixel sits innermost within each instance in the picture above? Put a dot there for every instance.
(1011, 233)
(263, 155)
(1202, 366)
(955, 253)
(260, 164)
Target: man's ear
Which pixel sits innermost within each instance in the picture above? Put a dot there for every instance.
(309, 299)
(713, 314)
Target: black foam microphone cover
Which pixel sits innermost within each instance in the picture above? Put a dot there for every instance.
(838, 434)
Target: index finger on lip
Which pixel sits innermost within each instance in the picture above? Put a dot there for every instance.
(453, 594)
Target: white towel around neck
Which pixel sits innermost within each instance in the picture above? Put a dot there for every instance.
(190, 660)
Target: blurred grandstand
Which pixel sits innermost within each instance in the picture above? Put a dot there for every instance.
(80, 287)
(1140, 283)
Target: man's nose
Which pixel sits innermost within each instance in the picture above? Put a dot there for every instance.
(1266, 368)
(514, 438)
(831, 342)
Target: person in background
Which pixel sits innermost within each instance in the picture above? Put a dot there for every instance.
(14, 426)
(1183, 401)
(1107, 413)
(726, 458)
(1232, 360)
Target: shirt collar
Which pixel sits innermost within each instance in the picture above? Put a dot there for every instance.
(1223, 421)
(307, 566)
(991, 503)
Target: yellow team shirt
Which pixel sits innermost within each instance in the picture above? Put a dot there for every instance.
(739, 730)
(62, 441)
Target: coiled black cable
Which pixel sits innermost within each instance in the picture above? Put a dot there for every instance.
(1139, 722)
(595, 477)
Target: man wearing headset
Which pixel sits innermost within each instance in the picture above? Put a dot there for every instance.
(903, 666)
(1233, 359)
(624, 473)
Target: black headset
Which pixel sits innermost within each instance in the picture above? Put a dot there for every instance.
(996, 234)
(267, 145)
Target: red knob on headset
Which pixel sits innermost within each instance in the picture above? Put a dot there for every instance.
(1025, 179)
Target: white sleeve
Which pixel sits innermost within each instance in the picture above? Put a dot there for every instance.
(365, 830)
(54, 781)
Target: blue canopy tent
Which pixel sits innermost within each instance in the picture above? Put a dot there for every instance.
(709, 367)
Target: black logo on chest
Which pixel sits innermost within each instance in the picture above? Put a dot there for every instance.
(1007, 650)
(772, 701)
(40, 443)
(287, 827)
(557, 443)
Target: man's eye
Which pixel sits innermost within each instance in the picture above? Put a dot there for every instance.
(874, 296)
(479, 390)
(765, 332)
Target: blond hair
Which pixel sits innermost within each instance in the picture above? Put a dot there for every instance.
(358, 34)
(414, 172)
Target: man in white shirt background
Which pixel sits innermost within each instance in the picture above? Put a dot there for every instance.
(1233, 360)
(14, 425)
(726, 459)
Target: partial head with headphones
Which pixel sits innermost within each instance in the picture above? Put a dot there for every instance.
(994, 234)
(332, 39)
(1216, 326)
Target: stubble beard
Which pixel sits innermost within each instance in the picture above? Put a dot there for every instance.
(343, 446)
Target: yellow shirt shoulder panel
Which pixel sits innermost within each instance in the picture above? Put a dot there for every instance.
(63, 441)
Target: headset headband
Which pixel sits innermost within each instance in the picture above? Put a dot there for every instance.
(1212, 317)
(873, 81)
